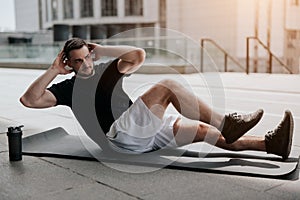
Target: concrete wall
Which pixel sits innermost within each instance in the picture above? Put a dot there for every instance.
(255, 15)
(228, 22)
(27, 15)
(292, 40)
(201, 18)
(292, 16)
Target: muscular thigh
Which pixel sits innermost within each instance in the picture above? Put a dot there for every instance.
(157, 99)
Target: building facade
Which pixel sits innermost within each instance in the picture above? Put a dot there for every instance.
(274, 22)
(97, 19)
(292, 35)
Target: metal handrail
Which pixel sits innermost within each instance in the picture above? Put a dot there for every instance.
(226, 55)
(271, 55)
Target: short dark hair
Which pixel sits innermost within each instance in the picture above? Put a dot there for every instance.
(71, 44)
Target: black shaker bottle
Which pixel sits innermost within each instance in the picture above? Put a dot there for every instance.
(14, 135)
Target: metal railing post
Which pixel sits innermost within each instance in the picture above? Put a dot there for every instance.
(270, 63)
(247, 55)
(225, 63)
(201, 55)
(227, 56)
(271, 56)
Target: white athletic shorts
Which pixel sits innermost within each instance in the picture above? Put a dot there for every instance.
(138, 130)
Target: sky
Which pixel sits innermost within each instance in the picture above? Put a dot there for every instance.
(7, 15)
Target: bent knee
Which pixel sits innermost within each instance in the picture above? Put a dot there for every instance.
(168, 83)
(176, 125)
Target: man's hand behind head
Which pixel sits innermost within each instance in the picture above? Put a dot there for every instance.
(59, 64)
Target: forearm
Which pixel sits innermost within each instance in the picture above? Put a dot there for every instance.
(130, 57)
(37, 95)
(38, 87)
(116, 51)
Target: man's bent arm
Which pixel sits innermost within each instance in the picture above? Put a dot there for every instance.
(37, 95)
(131, 58)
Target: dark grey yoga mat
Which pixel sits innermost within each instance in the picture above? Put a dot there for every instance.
(58, 143)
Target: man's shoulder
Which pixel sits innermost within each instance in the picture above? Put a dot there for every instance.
(105, 64)
(69, 80)
(66, 83)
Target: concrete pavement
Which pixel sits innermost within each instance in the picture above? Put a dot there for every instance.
(52, 178)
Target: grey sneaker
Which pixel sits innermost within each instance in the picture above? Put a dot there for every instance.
(279, 141)
(235, 126)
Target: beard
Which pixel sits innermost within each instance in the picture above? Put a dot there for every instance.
(83, 73)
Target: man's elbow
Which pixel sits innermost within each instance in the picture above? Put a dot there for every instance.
(26, 102)
(139, 59)
(141, 56)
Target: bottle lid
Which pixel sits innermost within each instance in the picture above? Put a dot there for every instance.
(17, 129)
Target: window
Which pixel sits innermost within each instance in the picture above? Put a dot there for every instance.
(68, 9)
(109, 8)
(54, 5)
(134, 7)
(86, 8)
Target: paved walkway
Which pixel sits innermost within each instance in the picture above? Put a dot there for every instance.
(51, 178)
